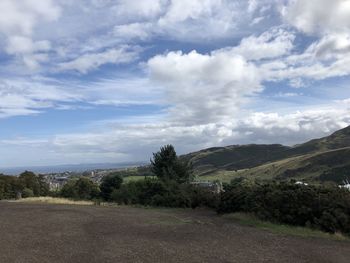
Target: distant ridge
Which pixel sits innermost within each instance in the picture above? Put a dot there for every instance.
(69, 167)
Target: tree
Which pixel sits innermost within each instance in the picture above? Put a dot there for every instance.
(34, 182)
(83, 188)
(110, 183)
(27, 193)
(9, 186)
(167, 166)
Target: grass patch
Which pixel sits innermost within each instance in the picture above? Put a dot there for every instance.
(251, 220)
(54, 200)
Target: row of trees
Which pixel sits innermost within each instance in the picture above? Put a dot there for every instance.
(27, 183)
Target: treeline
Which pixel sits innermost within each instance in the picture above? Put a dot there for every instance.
(26, 184)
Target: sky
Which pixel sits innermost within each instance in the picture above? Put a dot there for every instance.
(99, 81)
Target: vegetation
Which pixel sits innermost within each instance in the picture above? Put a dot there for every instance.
(320, 207)
(167, 166)
(28, 184)
(109, 184)
(169, 187)
(82, 188)
(321, 160)
(155, 192)
(252, 220)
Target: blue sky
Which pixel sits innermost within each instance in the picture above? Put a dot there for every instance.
(113, 80)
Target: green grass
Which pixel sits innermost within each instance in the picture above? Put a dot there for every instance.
(251, 220)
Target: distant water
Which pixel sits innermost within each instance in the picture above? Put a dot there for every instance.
(68, 167)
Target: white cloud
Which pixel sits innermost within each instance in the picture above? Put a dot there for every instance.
(203, 88)
(20, 17)
(27, 97)
(139, 9)
(331, 46)
(32, 53)
(17, 22)
(185, 20)
(138, 31)
(270, 44)
(318, 17)
(90, 61)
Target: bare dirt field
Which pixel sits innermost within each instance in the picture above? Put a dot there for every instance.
(71, 233)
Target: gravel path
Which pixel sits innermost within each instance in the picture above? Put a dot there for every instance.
(62, 233)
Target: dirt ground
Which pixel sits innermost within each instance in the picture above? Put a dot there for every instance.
(68, 233)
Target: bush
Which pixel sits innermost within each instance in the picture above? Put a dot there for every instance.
(83, 188)
(27, 193)
(9, 186)
(155, 192)
(325, 208)
(34, 182)
(109, 184)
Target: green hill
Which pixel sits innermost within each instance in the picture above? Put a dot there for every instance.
(327, 166)
(324, 159)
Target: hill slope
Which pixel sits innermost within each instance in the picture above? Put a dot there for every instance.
(325, 159)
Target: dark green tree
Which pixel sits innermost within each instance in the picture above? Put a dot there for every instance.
(83, 188)
(34, 182)
(110, 183)
(168, 167)
(9, 186)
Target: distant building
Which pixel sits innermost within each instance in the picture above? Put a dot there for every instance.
(57, 182)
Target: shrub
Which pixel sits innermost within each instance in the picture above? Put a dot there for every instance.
(109, 184)
(155, 192)
(325, 208)
(27, 193)
(83, 188)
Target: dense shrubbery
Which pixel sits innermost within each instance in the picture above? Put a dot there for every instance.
(155, 192)
(325, 208)
(28, 184)
(82, 188)
(109, 184)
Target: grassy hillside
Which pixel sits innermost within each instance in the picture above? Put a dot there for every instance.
(234, 157)
(324, 159)
(327, 166)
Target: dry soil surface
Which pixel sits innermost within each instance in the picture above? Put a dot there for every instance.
(68, 233)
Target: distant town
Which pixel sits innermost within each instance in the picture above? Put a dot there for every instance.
(57, 180)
